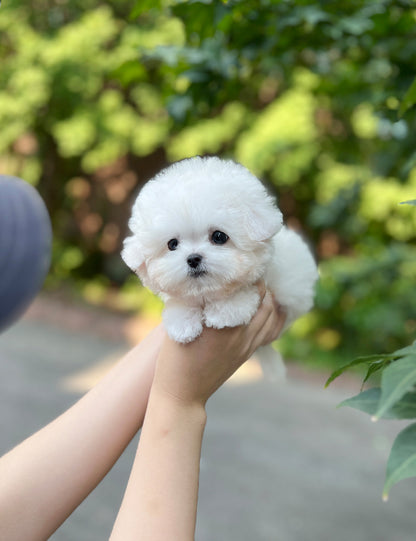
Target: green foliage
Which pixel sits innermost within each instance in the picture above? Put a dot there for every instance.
(73, 104)
(373, 363)
(395, 399)
(316, 99)
(397, 380)
(363, 303)
(321, 89)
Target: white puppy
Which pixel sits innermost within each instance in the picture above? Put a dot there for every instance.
(204, 231)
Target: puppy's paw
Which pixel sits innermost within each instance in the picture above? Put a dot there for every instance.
(183, 324)
(232, 311)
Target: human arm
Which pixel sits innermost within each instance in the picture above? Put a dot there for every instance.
(161, 497)
(47, 476)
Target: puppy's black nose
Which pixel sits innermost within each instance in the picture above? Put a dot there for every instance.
(194, 260)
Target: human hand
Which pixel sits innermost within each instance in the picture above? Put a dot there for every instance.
(191, 373)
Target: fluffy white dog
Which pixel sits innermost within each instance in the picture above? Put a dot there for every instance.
(204, 231)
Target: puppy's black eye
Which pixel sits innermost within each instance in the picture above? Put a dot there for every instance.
(173, 244)
(218, 237)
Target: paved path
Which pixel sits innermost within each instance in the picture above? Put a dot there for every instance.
(278, 463)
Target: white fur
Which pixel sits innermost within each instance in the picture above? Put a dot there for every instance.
(190, 200)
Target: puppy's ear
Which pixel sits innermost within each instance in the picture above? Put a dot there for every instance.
(263, 222)
(131, 253)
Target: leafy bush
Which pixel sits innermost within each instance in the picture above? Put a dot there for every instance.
(96, 98)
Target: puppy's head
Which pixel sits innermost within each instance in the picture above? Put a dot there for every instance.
(200, 227)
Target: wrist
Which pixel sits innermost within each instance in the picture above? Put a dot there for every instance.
(176, 408)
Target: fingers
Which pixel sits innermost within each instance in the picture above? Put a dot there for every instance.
(264, 310)
(268, 322)
(272, 328)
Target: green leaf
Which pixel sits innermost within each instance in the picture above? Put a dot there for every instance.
(409, 99)
(397, 379)
(368, 359)
(368, 402)
(402, 460)
(375, 362)
(372, 369)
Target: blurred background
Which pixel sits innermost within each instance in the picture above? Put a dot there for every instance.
(96, 97)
